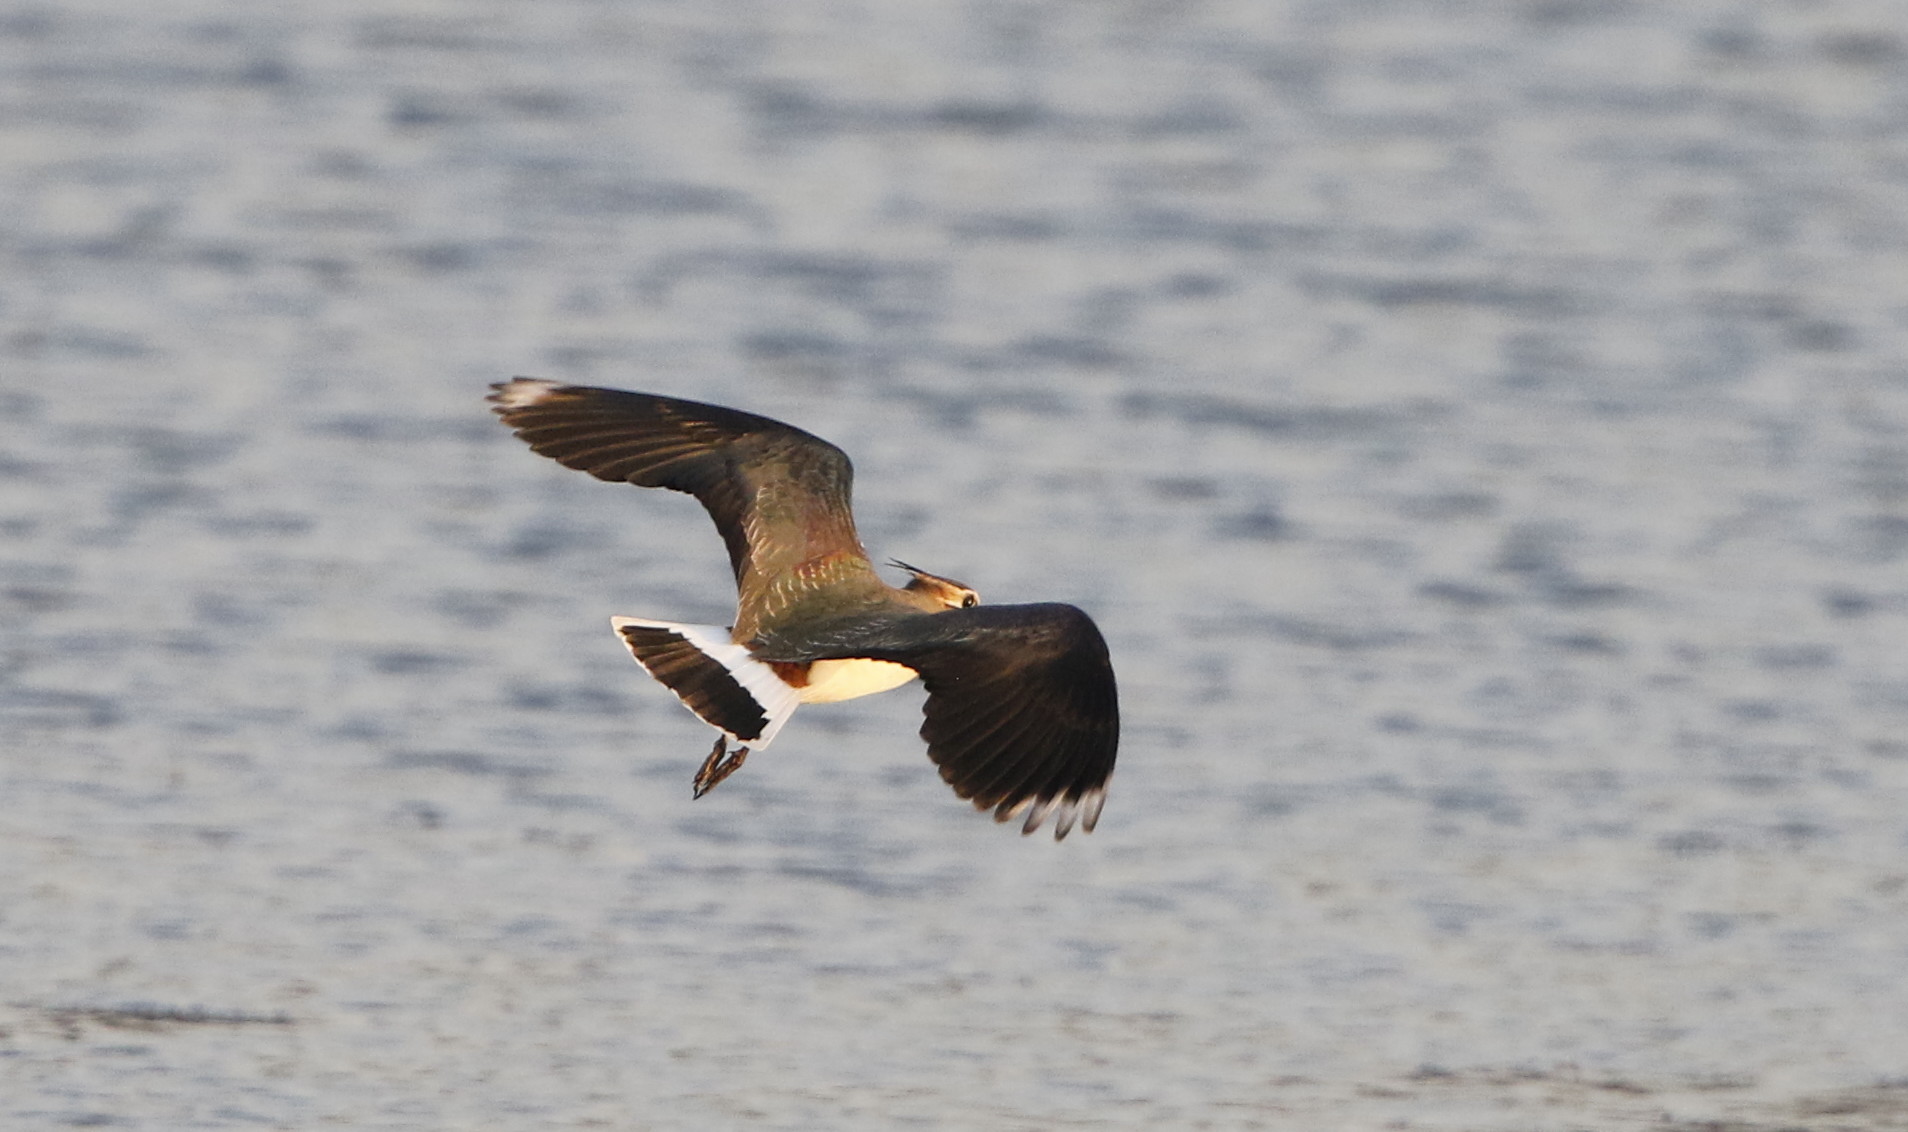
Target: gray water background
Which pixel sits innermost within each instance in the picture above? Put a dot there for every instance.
(1481, 430)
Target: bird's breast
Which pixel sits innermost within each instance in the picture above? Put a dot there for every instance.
(827, 681)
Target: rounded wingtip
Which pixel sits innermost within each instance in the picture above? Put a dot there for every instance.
(1066, 810)
(521, 392)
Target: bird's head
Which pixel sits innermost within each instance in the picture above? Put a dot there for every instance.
(947, 591)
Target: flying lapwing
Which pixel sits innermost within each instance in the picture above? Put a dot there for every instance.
(1021, 712)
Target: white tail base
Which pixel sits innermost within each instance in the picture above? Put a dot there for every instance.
(777, 700)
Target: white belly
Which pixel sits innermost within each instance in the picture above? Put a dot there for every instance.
(832, 680)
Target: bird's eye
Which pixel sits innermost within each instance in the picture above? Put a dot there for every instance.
(969, 601)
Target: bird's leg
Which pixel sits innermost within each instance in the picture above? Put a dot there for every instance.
(715, 768)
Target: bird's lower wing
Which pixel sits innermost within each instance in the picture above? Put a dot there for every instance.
(1022, 712)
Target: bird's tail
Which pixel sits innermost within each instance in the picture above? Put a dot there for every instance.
(713, 676)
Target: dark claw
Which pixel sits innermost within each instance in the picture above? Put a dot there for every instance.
(715, 768)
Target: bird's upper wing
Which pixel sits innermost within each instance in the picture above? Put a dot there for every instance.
(1022, 710)
(778, 495)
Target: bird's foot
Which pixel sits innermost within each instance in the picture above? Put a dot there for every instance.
(715, 768)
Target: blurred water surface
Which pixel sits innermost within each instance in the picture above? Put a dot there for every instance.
(1480, 428)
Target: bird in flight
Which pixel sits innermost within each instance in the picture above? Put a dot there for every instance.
(1022, 715)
